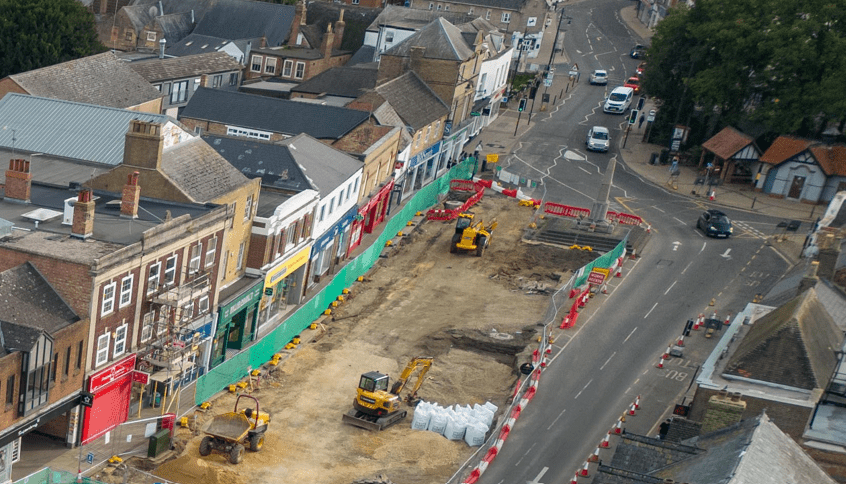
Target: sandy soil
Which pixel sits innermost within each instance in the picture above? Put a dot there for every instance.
(473, 315)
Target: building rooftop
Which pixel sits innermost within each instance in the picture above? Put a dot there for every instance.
(441, 39)
(413, 100)
(325, 167)
(238, 19)
(155, 69)
(271, 162)
(413, 19)
(348, 82)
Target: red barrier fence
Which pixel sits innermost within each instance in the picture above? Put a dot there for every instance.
(459, 185)
(624, 218)
(565, 210)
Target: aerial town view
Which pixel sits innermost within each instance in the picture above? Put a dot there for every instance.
(422, 241)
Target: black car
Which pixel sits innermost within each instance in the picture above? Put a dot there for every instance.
(638, 52)
(714, 224)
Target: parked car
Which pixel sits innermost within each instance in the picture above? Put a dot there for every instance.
(634, 83)
(598, 139)
(640, 68)
(715, 224)
(638, 51)
(599, 77)
(619, 100)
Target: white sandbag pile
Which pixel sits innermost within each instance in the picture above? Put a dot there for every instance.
(455, 422)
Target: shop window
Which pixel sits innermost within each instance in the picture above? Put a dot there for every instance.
(194, 261)
(170, 271)
(147, 326)
(102, 349)
(126, 290)
(108, 304)
(120, 340)
(153, 277)
(211, 248)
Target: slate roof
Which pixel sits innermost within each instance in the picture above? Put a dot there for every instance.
(793, 345)
(155, 70)
(441, 39)
(413, 100)
(195, 44)
(144, 12)
(754, 451)
(233, 19)
(199, 171)
(515, 5)
(67, 129)
(100, 79)
(325, 167)
(271, 162)
(270, 114)
(28, 306)
(413, 19)
(363, 55)
(175, 26)
(384, 113)
(727, 142)
(340, 81)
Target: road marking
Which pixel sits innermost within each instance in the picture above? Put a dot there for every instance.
(630, 335)
(671, 286)
(725, 255)
(650, 311)
(579, 167)
(606, 361)
(703, 247)
(656, 208)
(537, 479)
(524, 455)
(583, 389)
(676, 245)
(679, 220)
(688, 265)
(556, 419)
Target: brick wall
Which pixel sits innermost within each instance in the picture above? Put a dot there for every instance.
(258, 255)
(72, 281)
(10, 365)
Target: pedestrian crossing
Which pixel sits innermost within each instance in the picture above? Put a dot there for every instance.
(749, 230)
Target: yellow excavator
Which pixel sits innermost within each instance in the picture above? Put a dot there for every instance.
(375, 407)
(469, 236)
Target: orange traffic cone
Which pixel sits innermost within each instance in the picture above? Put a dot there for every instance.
(661, 363)
(604, 444)
(728, 319)
(584, 472)
(595, 456)
(637, 402)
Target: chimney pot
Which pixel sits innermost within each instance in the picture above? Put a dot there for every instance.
(735, 397)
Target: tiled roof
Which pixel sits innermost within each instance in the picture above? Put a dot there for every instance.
(326, 167)
(234, 19)
(175, 26)
(832, 159)
(515, 5)
(340, 81)
(727, 142)
(155, 70)
(145, 11)
(67, 129)
(793, 345)
(441, 39)
(31, 305)
(271, 114)
(100, 79)
(199, 171)
(413, 100)
(362, 138)
(783, 148)
(259, 159)
(414, 19)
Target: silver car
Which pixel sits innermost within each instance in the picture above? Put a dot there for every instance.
(598, 139)
(599, 77)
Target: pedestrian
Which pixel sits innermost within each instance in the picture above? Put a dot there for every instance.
(640, 121)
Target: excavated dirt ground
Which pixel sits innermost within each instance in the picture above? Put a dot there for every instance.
(473, 315)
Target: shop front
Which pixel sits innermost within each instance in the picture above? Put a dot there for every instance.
(371, 215)
(112, 390)
(281, 283)
(421, 170)
(331, 247)
(453, 144)
(236, 325)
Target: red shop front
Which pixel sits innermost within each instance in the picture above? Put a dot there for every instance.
(112, 389)
(371, 215)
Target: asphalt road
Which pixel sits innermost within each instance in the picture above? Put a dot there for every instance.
(605, 361)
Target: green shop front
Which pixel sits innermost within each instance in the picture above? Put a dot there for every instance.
(237, 317)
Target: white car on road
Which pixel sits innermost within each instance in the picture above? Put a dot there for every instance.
(599, 77)
(598, 139)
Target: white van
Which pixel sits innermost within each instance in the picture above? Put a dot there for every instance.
(619, 100)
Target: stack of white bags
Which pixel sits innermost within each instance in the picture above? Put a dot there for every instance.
(455, 422)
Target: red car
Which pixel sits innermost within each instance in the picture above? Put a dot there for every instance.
(634, 83)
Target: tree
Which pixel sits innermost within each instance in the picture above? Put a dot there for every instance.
(773, 63)
(39, 33)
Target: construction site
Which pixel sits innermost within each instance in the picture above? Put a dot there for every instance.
(470, 314)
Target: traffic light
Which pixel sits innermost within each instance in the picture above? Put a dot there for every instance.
(640, 103)
(522, 105)
(633, 116)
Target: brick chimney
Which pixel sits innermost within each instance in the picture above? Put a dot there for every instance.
(829, 245)
(724, 410)
(299, 19)
(130, 197)
(18, 181)
(143, 145)
(339, 30)
(810, 278)
(328, 42)
(83, 215)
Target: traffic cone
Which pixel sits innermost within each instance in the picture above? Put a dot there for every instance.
(666, 354)
(619, 272)
(632, 410)
(618, 428)
(712, 195)
(595, 456)
(728, 319)
(681, 341)
(697, 322)
(623, 417)
(575, 479)
(581, 301)
(565, 322)
(661, 363)
(605, 289)
(637, 402)
(584, 472)
(605, 444)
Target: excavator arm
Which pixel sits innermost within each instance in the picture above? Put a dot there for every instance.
(424, 362)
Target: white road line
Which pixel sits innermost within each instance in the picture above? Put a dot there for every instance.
(606, 361)
(630, 335)
(679, 220)
(671, 286)
(583, 389)
(579, 167)
(656, 208)
(703, 246)
(650, 311)
(688, 266)
(556, 419)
